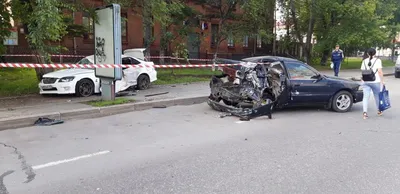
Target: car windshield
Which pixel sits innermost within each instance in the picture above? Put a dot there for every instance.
(83, 61)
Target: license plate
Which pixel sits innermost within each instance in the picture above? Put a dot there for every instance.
(47, 87)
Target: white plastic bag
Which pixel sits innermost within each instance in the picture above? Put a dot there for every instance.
(331, 65)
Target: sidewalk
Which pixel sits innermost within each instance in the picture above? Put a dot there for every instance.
(35, 106)
(387, 71)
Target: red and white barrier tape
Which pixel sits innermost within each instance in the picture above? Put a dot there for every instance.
(31, 55)
(82, 56)
(32, 65)
(168, 57)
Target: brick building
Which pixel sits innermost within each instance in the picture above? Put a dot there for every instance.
(132, 37)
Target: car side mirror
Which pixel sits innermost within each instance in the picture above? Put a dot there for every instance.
(317, 77)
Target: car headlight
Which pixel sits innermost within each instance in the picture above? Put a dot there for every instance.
(66, 79)
(360, 88)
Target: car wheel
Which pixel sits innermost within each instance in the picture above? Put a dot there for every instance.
(342, 101)
(229, 103)
(397, 75)
(143, 82)
(84, 88)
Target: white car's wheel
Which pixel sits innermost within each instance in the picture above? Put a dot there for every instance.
(84, 88)
(143, 82)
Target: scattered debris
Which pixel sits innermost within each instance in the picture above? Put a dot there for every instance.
(160, 106)
(156, 94)
(47, 122)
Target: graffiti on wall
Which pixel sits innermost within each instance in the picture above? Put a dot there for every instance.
(99, 50)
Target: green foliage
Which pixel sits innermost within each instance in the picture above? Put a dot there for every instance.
(181, 51)
(104, 103)
(5, 24)
(18, 81)
(257, 19)
(46, 23)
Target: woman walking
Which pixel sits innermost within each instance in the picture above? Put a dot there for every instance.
(372, 80)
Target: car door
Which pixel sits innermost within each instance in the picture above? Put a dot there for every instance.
(131, 74)
(307, 86)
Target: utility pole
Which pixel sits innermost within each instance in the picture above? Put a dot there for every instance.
(274, 40)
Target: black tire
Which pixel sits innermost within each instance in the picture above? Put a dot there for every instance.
(143, 82)
(84, 88)
(342, 101)
(229, 103)
(397, 74)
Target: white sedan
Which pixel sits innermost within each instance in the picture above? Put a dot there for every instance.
(83, 82)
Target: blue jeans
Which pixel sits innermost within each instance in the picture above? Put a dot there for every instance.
(369, 87)
(336, 67)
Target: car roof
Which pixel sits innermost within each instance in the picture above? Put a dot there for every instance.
(275, 58)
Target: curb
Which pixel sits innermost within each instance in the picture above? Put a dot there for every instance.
(388, 74)
(87, 113)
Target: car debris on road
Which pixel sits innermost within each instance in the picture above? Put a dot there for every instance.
(247, 91)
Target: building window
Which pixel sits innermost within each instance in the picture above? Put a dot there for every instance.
(231, 42)
(87, 22)
(124, 26)
(259, 42)
(246, 41)
(214, 32)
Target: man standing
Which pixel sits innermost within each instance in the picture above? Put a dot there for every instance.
(337, 58)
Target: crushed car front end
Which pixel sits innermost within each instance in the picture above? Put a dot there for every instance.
(247, 90)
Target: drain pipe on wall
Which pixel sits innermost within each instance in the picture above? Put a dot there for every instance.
(74, 39)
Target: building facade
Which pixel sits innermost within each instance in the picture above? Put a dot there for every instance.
(200, 43)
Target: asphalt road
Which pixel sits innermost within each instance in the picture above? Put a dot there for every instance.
(189, 149)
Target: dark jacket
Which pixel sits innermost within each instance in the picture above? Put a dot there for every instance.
(337, 55)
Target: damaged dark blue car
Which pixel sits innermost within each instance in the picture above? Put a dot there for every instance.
(261, 84)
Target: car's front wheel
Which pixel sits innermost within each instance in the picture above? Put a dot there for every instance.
(84, 88)
(342, 101)
(397, 75)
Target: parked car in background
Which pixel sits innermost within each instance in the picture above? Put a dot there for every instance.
(397, 68)
(298, 84)
(83, 82)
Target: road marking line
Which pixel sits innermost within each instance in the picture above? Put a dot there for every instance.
(239, 122)
(68, 160)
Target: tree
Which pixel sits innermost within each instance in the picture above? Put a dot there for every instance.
(257, 20)
(225, 12)
(172, 14)
(45, 23)
(348, 23)
(5, 24)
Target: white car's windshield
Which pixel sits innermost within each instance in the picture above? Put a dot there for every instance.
(84, 61)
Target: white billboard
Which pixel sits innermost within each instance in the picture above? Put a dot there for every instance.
(107, 33)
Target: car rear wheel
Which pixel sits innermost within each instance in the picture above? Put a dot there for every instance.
(84, 88)
(342, 101)
(397, 75)
(143, 82)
